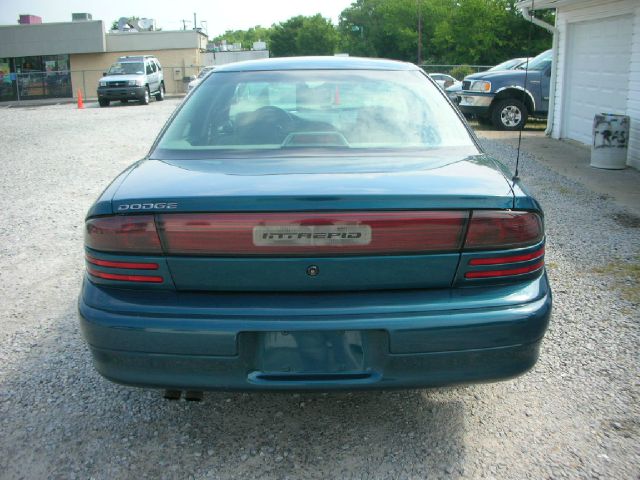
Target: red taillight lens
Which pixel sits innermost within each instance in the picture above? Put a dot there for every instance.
(312, 233)
(135, 234)
(491, 229)
(124, 278)
(130, 265)
(506, 272)
(524, 257)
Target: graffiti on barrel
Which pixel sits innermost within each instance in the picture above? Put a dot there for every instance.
(610, 131)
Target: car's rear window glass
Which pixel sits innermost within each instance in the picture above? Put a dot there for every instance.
(332, 109)
(539, 63)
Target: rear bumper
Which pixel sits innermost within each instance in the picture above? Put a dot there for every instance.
(314, 341)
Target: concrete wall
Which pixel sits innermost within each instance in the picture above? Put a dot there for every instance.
(87, 69)
(52, 39)
(146, 41)
(220, 58)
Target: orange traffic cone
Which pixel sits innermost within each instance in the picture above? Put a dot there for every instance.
(80, 102)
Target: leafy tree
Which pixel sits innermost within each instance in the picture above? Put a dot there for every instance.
(482, 32)
(381, 28)
(302, 35)
(283, 37)
(453, 31)
(317, 36)
(486, 32)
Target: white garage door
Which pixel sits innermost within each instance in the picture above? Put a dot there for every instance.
(598, 57)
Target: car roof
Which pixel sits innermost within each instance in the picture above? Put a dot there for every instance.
(316, 63)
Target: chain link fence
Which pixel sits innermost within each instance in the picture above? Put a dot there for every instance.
(67, 83)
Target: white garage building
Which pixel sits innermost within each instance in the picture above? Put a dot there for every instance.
(597, 66)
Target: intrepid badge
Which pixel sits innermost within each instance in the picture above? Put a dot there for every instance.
(311, 235)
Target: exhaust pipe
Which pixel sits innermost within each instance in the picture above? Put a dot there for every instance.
(193, 396)
(172, 394)
(189, 395)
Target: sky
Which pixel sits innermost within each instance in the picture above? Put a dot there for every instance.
(219, 15)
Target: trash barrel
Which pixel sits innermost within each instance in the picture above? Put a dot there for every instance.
(610, 141)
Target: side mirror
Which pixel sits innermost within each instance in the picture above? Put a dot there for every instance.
(104, 74)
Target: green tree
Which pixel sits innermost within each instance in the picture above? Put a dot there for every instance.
(453, 31)
(283, 37)
(486, 32)
(302, 35)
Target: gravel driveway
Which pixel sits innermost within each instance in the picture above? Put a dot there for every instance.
(577, 414)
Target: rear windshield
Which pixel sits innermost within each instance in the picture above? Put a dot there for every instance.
(204, 72)
(539, 63)
(326, 109)
(126, 68)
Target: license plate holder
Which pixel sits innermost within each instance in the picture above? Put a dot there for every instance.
(313, 352)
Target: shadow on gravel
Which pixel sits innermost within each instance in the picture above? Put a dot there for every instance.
(62, 420)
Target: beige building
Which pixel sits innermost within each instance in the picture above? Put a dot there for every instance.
(52, 60)
(181, 54)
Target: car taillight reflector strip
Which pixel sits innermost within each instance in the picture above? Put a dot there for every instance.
(505, 272)
(129, 265)
(120, 233)
(298, 233)
(525, 257)
(491, 229)
(124, 278)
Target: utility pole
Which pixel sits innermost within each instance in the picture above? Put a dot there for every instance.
(419, 34)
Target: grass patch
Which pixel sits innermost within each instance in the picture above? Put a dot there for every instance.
(627, 276)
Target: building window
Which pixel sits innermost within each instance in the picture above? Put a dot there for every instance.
(7, 83)
(45, 76)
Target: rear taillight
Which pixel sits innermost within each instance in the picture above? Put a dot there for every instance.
(499, 229)
(506, 272)
(504, 265)
(127, 234)
(328, 233)
(124, 277)
(124, 265)
(524, 257)
(312, 233)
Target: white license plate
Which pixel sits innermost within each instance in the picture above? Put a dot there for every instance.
(311, 235)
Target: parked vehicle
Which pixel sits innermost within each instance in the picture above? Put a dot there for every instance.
(453, 92)
(443, 80)
(314, 223)
(508, 64)
(202, 74)
(132, 78)
(502, 96)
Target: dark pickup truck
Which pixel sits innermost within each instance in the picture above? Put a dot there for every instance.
(502, 97)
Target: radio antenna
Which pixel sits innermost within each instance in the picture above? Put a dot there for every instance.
(524, 90)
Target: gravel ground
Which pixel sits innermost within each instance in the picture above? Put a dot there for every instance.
(576, 415)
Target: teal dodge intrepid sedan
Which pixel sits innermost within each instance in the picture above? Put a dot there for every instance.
(314, 223)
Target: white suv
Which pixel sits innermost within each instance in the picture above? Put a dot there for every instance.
(132, 78)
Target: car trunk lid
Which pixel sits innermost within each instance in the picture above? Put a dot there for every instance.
(283, 224)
